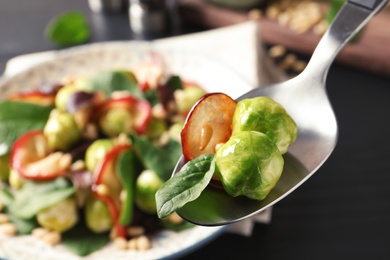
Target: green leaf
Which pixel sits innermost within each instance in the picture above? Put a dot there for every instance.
(16, 118)
(82, 241)
(23, 226)
(125, 168)
(177, 227)
(6, 197)
(110, 81)
(68, 28)
(161, 160)
(35, 196)
(174, 83)
(186, 185)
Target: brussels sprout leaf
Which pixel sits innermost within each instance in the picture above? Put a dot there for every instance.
(186, 185)
(17, 118)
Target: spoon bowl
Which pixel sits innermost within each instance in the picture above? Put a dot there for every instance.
(305, 99)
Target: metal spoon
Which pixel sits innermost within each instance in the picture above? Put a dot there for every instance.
(305, 99)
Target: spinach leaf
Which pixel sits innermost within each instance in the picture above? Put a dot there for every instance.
(186, 185)
(16, 118)
(82, 241)
(174, 83)
(110, 81)
(68, 28)
(23, 226)
(35, 196)
(125, 167)
(161, 160)
(6, 196)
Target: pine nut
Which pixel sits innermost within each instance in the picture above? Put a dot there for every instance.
(132, 244)
(135, 231)
(143, 243)
(39, 232)
(4, 218)
(8, 229)
(120, 243)
(52, 238)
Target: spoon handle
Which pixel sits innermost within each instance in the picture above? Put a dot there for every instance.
(351, 18)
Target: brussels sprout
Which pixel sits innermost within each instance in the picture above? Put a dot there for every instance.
(59, 217)
(187, 97)
(61, 131)
(97, 215)
(249, 164)
(15, 180)
(116, 121)
(64, 94)
(175, 130)
(146, 187)
(96, 152)
(4, 167)
(156, 128)
(264, 115)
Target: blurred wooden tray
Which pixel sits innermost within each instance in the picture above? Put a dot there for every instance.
(371, 53)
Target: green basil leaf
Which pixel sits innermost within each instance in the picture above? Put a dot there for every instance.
(110, 81)
(35, 196)
(16, 118)
(68, 28)
(161, 160)
(125, 167)
(82, 241)
(186, 185)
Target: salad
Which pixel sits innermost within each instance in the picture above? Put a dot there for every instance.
(82, 158)
(236, 147)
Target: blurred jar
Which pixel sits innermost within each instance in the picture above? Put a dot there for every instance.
(99, 6)
(148, 16)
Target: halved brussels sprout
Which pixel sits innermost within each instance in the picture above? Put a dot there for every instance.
(249, 164)
(265, 115)
(59, 217)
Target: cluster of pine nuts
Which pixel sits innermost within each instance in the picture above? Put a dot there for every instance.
(50, 237)
(300, 16)
(138, 240)
(287, 62)
(6, 227)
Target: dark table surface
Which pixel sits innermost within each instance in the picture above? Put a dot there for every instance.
(342, 212)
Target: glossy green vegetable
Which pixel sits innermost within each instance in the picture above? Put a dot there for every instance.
(264, 115)
(59, 217)
(146, 187)
(97, 215)
(61, 131)
(249, 164)
(96, 152)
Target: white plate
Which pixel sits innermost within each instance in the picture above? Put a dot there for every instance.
(87, 60)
